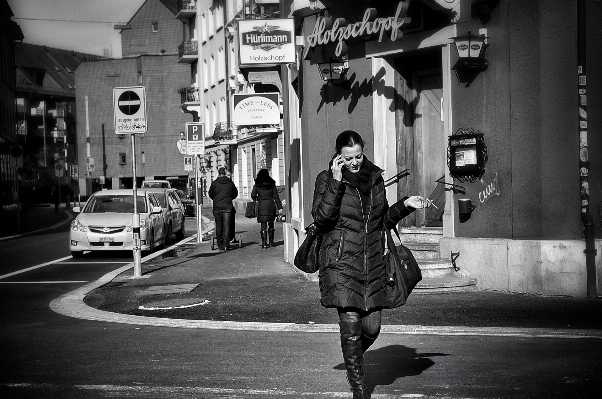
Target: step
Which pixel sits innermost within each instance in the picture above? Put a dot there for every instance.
(435, 268)
(446, 284)
(421, 235)
(429, 250)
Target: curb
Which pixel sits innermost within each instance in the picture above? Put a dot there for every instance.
(72, 304)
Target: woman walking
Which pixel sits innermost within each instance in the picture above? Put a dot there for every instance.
(266, 195)
(351, 209)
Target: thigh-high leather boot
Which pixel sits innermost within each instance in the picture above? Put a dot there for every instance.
(353, 354)
(264, 239)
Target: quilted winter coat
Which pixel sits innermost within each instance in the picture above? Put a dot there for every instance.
(266, 195)
(352, 268)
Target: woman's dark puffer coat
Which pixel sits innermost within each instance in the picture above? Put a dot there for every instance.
(266, 194)
(352, 268)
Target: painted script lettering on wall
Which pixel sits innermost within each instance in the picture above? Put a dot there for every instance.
(329, 31)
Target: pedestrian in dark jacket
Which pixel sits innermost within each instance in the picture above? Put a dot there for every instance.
(266, 195)
(222, 192)
(351, 209)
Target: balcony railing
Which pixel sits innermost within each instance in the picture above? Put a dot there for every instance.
(189, 95)
(188, 51)
(225, 133)
(186, 9)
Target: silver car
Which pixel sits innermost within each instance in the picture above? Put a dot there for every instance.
(173, 211)
(105, 222)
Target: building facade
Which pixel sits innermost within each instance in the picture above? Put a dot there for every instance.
(211, 48)
(10, 36)
(407, 91)
(149, 44)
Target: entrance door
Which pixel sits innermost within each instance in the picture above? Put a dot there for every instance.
(431, 155)
(422, 145)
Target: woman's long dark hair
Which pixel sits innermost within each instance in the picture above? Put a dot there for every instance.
(264, 179)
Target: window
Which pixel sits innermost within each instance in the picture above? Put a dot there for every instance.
(212, 69)
(122, 158)
(211, 23)
(155, 26)
(207, 120)
(204, 28)
(143, 158)
(222, 109)
(232, 63)
(219, 17)
(221, 64)
(214, 113)
(205, 75)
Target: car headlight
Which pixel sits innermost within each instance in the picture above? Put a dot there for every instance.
(77, 226)
(142, 225)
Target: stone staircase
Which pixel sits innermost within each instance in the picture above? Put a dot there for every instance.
(438, 275)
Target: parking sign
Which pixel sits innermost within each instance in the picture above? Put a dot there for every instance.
(195, 138)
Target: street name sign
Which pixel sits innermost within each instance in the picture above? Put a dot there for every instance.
(195, 138)
(130, 109)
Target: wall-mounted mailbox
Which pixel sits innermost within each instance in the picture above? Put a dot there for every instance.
(466, 155)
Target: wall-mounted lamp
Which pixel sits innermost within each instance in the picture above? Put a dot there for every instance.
(334, 72)
(471, 50)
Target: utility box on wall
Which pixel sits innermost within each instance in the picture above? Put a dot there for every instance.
(467, 155)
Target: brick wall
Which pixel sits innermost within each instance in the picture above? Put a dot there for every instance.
(161, 76)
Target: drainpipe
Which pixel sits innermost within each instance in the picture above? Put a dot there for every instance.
(586, 219)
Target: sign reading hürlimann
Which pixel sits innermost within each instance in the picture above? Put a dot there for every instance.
(266, 41)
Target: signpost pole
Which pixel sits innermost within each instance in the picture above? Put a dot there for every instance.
(199, 201)
(136, 217)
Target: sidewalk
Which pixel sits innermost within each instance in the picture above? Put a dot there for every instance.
(251, 284)
(34, 220)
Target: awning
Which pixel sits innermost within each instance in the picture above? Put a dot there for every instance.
(266, 77)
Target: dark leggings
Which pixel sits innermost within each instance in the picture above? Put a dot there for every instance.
(264, 225)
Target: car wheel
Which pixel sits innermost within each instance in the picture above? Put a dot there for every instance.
(180, 233)
(77, 254)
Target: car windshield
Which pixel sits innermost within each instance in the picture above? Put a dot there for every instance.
(114, 203)
(161, 198)
(151, 184)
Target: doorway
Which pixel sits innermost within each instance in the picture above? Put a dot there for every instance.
(421, 139)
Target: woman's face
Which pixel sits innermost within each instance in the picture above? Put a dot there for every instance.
(353, 157)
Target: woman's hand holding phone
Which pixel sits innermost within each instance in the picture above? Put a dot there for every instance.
(337, 167)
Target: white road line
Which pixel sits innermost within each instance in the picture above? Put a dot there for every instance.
(83, 262)
(35, 267)
(41, 282)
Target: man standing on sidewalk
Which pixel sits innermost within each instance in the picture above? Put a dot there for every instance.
(222, 192)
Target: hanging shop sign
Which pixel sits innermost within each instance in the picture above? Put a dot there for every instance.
(256, 109)
(267, 41)
(328, 31)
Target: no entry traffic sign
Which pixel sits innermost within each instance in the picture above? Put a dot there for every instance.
(130, 109)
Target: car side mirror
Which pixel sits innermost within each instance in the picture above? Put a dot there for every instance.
(157, 209)
(76, 209)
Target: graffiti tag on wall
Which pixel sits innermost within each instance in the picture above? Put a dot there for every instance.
(489, 189)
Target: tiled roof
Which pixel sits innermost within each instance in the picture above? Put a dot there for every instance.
(59, 65)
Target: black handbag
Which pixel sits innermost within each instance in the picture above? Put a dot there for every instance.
(251, 210)
(306, 258)
(403, 272)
